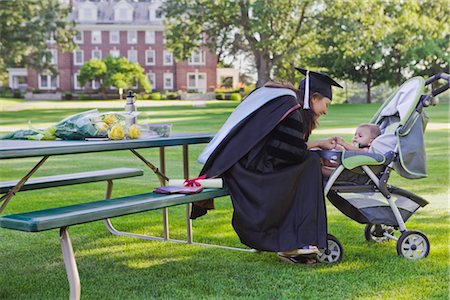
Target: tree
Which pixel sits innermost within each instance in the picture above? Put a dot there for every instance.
(418, 42)
(25, 28)
(269, 30)
(118, 72)
(351, 40)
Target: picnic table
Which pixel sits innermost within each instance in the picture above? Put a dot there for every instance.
(63, 217)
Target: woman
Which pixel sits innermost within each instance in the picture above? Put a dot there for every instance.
(275, 183)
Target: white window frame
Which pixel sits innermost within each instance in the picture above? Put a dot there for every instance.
(168, 76)
(96, 51)
(76, 82)
(164, 58)
(196, 74)
(81, 40)
(96, 41)
(150, 37)
(111, 33)
(153, 76)
(129, 38)
(75, 62)
(88, 7)
(130, 53)
(49, 80)
(115, 51)
(202, 60)
(147, 52)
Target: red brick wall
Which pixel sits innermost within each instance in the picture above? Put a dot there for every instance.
(178, 69)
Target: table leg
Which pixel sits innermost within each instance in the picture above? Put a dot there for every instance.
(5, 198)
(189, 232)
(165, 211)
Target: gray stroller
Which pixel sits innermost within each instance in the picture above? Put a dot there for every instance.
(372, 201)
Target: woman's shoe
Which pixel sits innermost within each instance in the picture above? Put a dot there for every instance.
(308, 259)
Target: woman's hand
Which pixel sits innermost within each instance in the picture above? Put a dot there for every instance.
(327, 144)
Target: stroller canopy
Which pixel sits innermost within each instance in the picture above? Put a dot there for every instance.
(402, 129)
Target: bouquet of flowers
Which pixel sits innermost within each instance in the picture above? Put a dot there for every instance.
(88, 124)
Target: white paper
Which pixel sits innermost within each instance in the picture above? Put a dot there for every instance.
(206, 183)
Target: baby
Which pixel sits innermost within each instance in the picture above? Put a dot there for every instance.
(364, 136)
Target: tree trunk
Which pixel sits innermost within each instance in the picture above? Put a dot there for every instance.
(263, 67)
(369, 85)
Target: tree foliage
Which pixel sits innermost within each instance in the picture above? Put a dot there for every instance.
(25, 28)
(269, 30)
(117, 72)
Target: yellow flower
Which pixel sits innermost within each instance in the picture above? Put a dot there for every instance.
(110, 119)
(117, 132)
(134, 132)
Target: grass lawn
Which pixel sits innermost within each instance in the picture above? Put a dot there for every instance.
(125, 268)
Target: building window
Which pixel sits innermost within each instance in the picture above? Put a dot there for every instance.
(132, 55)
(168, 58)
(132, 37)
(96, 53)
(149, 37)
(159, 14)
(95, 84)
(48, 82)
(114, 37)
(114, 53)
(53, 57)
(168, 81)
(152, 79)
(150, 57)
(78, 57)
(196, 81)
(123, 12)
(96, 37)
(76, 82)
(79, 37)
(197, 58)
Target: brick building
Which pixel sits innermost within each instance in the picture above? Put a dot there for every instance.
(134, 30)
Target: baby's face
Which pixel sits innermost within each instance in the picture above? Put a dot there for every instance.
(362, 136)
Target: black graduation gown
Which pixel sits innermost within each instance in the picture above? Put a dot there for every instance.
(275, 183)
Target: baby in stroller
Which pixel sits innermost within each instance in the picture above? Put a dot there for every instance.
(364, 135)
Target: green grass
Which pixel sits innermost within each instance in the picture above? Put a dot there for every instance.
(31, 265)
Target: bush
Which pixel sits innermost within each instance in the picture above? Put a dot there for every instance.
(235, 97)
(68, 96)
(17, 94)
(173, 96)
(156, 96)
(220, 96)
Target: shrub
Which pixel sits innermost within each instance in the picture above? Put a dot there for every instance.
(220, 96)
(156, 96)
(235, 97)
(68, 96)
(173, 96)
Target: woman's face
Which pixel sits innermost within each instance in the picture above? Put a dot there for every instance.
(320, 105)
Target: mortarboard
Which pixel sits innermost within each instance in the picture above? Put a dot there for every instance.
(316, 83)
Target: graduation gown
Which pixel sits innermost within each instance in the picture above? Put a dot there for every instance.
(275, 183)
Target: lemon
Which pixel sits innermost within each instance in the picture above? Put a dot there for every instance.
(134, 132)
(117, 132)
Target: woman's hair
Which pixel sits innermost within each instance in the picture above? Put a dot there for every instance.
(309, 118)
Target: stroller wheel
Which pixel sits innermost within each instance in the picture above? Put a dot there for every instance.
(375, 232)
(334, 251)
(413, 245)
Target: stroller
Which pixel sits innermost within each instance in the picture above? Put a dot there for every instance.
(372, 201)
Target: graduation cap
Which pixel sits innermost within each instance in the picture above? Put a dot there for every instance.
(316, 83)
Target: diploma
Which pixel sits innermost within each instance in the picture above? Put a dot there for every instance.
(205, 183)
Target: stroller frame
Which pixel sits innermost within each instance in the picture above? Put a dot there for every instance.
(411, 244)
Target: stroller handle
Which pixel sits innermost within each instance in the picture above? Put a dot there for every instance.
(442, 88)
